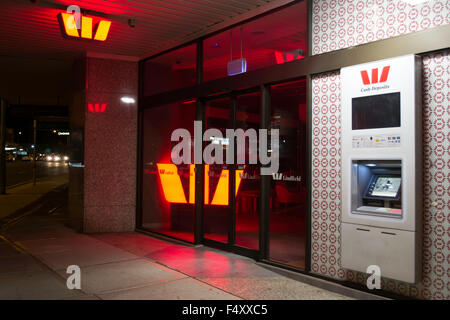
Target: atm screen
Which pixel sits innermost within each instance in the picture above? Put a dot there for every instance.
(378, 111)
(385, 186)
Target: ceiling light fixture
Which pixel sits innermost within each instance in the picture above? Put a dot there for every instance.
(127, 100)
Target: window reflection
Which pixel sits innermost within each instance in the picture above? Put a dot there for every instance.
(172, 70)
(247, 199)
(288, 188)
(216, 214)
(272, 39)
(167, 189)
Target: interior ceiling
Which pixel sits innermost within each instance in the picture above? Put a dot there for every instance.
(30, 28)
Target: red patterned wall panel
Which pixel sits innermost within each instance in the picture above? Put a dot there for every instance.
(326, 206)
(340, 24)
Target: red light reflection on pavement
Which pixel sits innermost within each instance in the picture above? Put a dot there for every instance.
(200, 262)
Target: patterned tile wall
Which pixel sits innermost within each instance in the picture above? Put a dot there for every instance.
(340, 24)
(326, 206)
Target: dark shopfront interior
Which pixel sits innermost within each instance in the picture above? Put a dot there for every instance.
(231, 220)
(266, 216)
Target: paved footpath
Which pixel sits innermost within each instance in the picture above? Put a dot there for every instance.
(36, 250)
(22, 197)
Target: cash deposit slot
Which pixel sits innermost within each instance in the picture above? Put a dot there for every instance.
(382, 167)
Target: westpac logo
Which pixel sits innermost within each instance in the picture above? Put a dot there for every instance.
(174, 192)
(97, 107)
(74, 25)
(383, 78)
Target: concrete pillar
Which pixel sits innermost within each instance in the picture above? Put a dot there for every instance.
(110, 140)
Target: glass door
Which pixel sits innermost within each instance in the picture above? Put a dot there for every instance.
(232, 189)
(248, 182)
(288, 189)
(216, 211)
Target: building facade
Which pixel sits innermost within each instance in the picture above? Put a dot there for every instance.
(292, 83)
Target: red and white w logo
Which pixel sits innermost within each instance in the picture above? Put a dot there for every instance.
(383, 78)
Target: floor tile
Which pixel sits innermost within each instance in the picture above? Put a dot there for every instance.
(206, 262)
(184, 289)
(33, 286)
(70, 242)
(123, 275)
(278, 288)
(138, 244)
(88, 255)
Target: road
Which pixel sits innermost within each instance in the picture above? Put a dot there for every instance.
(19, 172)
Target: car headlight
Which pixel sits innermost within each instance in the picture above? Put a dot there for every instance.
(49, 158)
(66, 158)
(57, 158)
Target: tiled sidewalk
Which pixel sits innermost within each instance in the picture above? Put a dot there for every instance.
(36, 251)
(20, 197)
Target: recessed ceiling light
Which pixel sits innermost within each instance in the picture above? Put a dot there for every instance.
(128, 100)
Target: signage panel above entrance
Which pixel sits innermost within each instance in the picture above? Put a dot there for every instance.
(87, 30)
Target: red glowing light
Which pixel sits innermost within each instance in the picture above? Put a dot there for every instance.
(173, 189)
(69, 29)
(171, 183)
(282, 57)
(97, 107)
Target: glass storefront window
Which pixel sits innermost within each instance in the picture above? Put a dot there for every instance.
(172, 70)
(249, 179)
(218, 210)
(272, 39)
(217, 198)
(168, 196)
(288, 189)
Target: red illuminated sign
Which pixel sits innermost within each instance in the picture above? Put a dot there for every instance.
(173, 189)
(96, 107)
(88, 31)
(383, 78)
(282, 57)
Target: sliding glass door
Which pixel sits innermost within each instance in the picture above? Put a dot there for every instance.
(288, 188)
(232, 190)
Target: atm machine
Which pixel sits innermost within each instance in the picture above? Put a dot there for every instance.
(382, 167)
